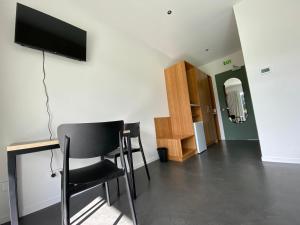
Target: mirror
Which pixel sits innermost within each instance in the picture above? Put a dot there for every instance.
(235, 100)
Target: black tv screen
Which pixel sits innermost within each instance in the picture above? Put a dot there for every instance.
(41, 31)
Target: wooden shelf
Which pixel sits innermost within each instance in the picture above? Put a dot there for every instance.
(196, 115)
(188, 152)
(197, 119)
(178, 137)
(182, 137)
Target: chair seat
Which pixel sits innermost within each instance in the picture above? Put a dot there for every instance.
(116, 153)
(89, 176)
(102, 170)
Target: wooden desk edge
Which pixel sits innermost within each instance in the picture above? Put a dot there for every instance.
(31, 145)
(37, 144)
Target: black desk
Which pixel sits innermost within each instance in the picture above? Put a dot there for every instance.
(23, 148)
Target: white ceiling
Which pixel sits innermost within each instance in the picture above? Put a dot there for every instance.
(194, 26)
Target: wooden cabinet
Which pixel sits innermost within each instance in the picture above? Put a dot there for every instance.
(190, 100)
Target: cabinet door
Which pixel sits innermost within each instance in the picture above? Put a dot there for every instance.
(207, 110)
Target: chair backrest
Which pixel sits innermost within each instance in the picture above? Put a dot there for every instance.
(134, 129)
(88, 140)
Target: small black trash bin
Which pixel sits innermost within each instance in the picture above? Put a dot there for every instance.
(163, 154)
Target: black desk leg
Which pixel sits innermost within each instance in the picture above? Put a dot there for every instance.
(13, 195)
(131, 167)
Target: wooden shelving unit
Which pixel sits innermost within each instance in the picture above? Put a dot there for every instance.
(180, 146)
(187, 93)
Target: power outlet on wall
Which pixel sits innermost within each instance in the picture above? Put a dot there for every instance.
(56, 173)
(265, 70)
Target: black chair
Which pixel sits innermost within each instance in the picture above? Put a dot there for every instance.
(134, 129)
(88, 140)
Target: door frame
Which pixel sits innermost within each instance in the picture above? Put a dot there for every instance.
(214, 105)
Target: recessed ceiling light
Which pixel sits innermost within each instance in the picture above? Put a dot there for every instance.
(169, 12)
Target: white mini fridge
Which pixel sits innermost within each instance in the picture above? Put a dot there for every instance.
(200, 136)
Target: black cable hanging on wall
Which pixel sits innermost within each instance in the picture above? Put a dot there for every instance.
(49, 115)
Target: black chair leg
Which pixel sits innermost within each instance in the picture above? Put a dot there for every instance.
(65, 209)
(65, 204)
(118, 185)
(102, 158)
(131, 203)
(145, 163)
(107, 193)
(130, 162)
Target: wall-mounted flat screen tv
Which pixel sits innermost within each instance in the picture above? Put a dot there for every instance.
(40, 31)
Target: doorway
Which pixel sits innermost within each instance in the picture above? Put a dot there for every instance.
(236, 105)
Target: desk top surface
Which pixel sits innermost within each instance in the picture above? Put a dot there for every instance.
(38, 144)
(31, 145)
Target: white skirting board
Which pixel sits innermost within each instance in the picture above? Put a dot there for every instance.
(4, 220)
(280, 159)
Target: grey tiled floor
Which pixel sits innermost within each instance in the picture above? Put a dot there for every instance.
(227, 185)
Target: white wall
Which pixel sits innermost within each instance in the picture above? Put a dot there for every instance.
(122, 79)
(270, 36)
(216, 67)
